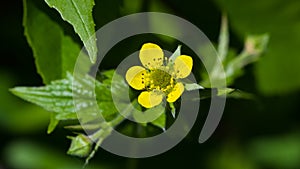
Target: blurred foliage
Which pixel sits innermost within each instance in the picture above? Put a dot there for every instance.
(230, 156)
(17, 116)
(26, 154)
(277, 152)
(280, 65)
(262, 152)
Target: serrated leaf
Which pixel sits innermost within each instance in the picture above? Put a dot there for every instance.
(44, 37)
(59, 95)
(81, 146)
(66, 116)
(192, 86)
(79, 14)
(55, 53)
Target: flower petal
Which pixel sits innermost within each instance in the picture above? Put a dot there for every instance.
(135, 77)
(175, 93)
(150, 99)
(183, 66)
(151, 55)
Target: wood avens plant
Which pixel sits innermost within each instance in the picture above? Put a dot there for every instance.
(158, 78)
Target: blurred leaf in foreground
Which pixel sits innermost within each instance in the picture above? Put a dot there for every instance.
(278, 71)
(277, 152)
(230, 156)
(25, 154)
(17, 116)
(254, 47)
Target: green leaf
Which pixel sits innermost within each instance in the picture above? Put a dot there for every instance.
(55, 53)
(83, 127)
(234, 93)
(81, 146)
(17, 116)
(58, 95)
(223, 45)
(24, 154)
(45, 42)
(53, 123)
(55, 97)
(108, 110)
(192, 86)
(276, 152)
(117, 84)
(173, 109)
(106, 76)
(149, 115)
(225, 91)
(160, 121)
(66, 116)
(221, 92)
(175, 54)
(79, 14)
(131, 6)
(230, 156)
(70, 55)
(255, 45)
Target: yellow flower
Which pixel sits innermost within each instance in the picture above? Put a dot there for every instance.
(159, 76)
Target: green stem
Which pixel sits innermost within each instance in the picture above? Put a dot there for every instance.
(105, 130)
